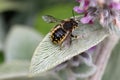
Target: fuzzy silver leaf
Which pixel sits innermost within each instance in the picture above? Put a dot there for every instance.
(48, 55)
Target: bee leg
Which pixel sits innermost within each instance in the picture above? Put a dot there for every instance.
(64, 44)
(61, 46)
(67, 42)
(74, 36)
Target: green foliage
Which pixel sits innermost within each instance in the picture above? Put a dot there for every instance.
(1, 57)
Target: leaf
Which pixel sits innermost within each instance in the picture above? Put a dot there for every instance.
(86, 67)
(79, 66)
(21, 43)
(47, 55)
(112, 71)
(18, 70)
(13, 69)
(6, 5)
(84, 71)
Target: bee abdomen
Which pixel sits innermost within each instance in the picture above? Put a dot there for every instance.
(58, 35)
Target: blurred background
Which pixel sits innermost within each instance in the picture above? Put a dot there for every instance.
(27, 14)
(21, 30)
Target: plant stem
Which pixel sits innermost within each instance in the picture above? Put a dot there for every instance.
(102, 56)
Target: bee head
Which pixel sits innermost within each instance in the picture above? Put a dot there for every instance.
(70, 24)
(74, 23)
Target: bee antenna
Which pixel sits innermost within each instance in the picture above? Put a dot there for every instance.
(73, 14)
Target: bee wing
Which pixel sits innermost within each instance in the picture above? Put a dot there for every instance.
(67, 41)
(50, 19)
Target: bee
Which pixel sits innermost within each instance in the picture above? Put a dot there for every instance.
(61, 34)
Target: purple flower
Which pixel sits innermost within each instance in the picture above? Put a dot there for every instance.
(110, 14)
(106, 11)
(83, 6)
(78, 10)
(115, 5)
(86, 3)
(86, 19)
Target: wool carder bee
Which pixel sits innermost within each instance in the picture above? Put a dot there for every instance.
(61, 34)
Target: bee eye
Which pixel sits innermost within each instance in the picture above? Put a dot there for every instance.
(75, 24)
(74, 27)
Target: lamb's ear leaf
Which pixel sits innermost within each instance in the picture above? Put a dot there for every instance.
(83, 69)
(21, 43)
(113, 65)
(86, 67)
(48, 55)
(18, 70)
(13, 69)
